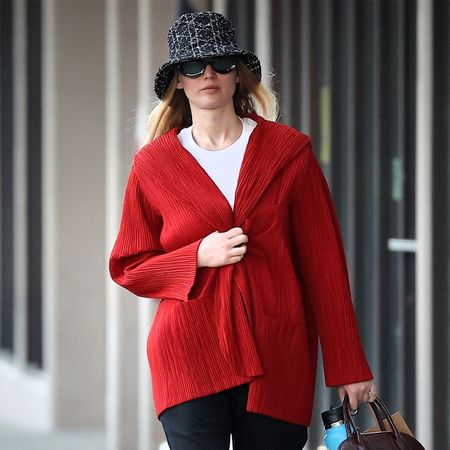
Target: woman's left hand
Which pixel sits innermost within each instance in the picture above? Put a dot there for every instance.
(362, 392)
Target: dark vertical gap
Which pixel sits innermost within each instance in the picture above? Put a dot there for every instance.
(315, 44)
(314, 87)
(364, 143)
(397, 203)
(376, 200)
(340, 127)
(409, 390)
(286, 74)
(186, 6)
(6, 172)
(324, 86)
(242, 14)
(353, 61)
(280, 43)
(367, 269)
(410, 208)
(295, 63)
(319, 76)
(275, 14)
(387, 373)
(303, 52)
(441, 222)
(397, 144)
(34, 172)
(391, 315)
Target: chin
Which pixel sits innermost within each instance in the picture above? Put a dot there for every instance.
(210, 105)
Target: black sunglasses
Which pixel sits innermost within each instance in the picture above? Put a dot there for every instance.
(196, 67)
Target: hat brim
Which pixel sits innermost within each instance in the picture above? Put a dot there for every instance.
(165, 72)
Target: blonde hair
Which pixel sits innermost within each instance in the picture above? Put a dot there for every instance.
(173, 110)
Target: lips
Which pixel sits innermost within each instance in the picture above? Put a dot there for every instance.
(210, 88)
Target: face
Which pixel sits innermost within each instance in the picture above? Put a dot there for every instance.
(211, 90)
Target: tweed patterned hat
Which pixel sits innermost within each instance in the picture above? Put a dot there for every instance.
(200, 35)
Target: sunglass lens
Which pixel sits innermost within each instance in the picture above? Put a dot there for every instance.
(192, 68)
(224, 64)
(221, 64)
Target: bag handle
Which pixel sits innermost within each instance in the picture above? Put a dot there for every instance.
(350, 425)
(379, 416)
(376, 406)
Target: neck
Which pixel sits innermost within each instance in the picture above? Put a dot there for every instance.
(215, 129)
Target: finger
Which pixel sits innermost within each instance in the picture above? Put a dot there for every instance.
(238, 240)
(232, 232)
(238, 251)
(353, 402)
(235, 259)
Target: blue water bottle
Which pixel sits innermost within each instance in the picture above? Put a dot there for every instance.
(335, 432)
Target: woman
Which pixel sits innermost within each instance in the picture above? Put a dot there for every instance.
(228, 219)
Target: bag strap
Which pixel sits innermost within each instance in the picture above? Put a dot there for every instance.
(378, 406)
(352, 428)
(350, 425)
(379, 416)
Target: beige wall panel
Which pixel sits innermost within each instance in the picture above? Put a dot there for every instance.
(128, 376)
(79, 340)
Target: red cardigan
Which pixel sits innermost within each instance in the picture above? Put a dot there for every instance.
(255, 321)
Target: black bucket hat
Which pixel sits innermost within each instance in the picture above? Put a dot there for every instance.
(201, 35)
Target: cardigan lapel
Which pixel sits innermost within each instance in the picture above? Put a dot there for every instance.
(171, 167)
(270, 150)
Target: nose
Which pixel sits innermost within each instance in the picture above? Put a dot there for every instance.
(209, 71)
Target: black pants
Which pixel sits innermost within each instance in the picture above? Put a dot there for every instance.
(206, 424)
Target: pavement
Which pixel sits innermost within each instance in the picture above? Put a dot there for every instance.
(85, 439)
(69, 439)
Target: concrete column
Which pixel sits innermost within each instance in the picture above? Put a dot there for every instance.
(220, 6)
(73, 154)
(150, 48)
(112, 199)
(154, 18)
(121, 321)
(146, 428)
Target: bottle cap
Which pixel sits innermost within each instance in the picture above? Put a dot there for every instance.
(331, 416)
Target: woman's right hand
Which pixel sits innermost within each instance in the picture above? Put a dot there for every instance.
(219, 249)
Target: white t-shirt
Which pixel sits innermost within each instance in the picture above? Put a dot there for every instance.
(222, 166)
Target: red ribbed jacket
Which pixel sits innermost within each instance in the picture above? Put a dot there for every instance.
(255, 321)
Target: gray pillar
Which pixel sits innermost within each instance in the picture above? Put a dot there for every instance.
(152, 51)
(424, 266)
(121, 362)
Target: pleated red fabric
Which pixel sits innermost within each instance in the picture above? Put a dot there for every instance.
(255, 321)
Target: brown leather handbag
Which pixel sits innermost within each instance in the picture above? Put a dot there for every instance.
(378, 440)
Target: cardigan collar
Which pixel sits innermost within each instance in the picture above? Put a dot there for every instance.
(173, 168)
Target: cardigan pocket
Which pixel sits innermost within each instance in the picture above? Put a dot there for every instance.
(180, 333)
(283, 349)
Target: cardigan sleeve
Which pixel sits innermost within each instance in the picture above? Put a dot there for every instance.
(138, 262)
(324, 278)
